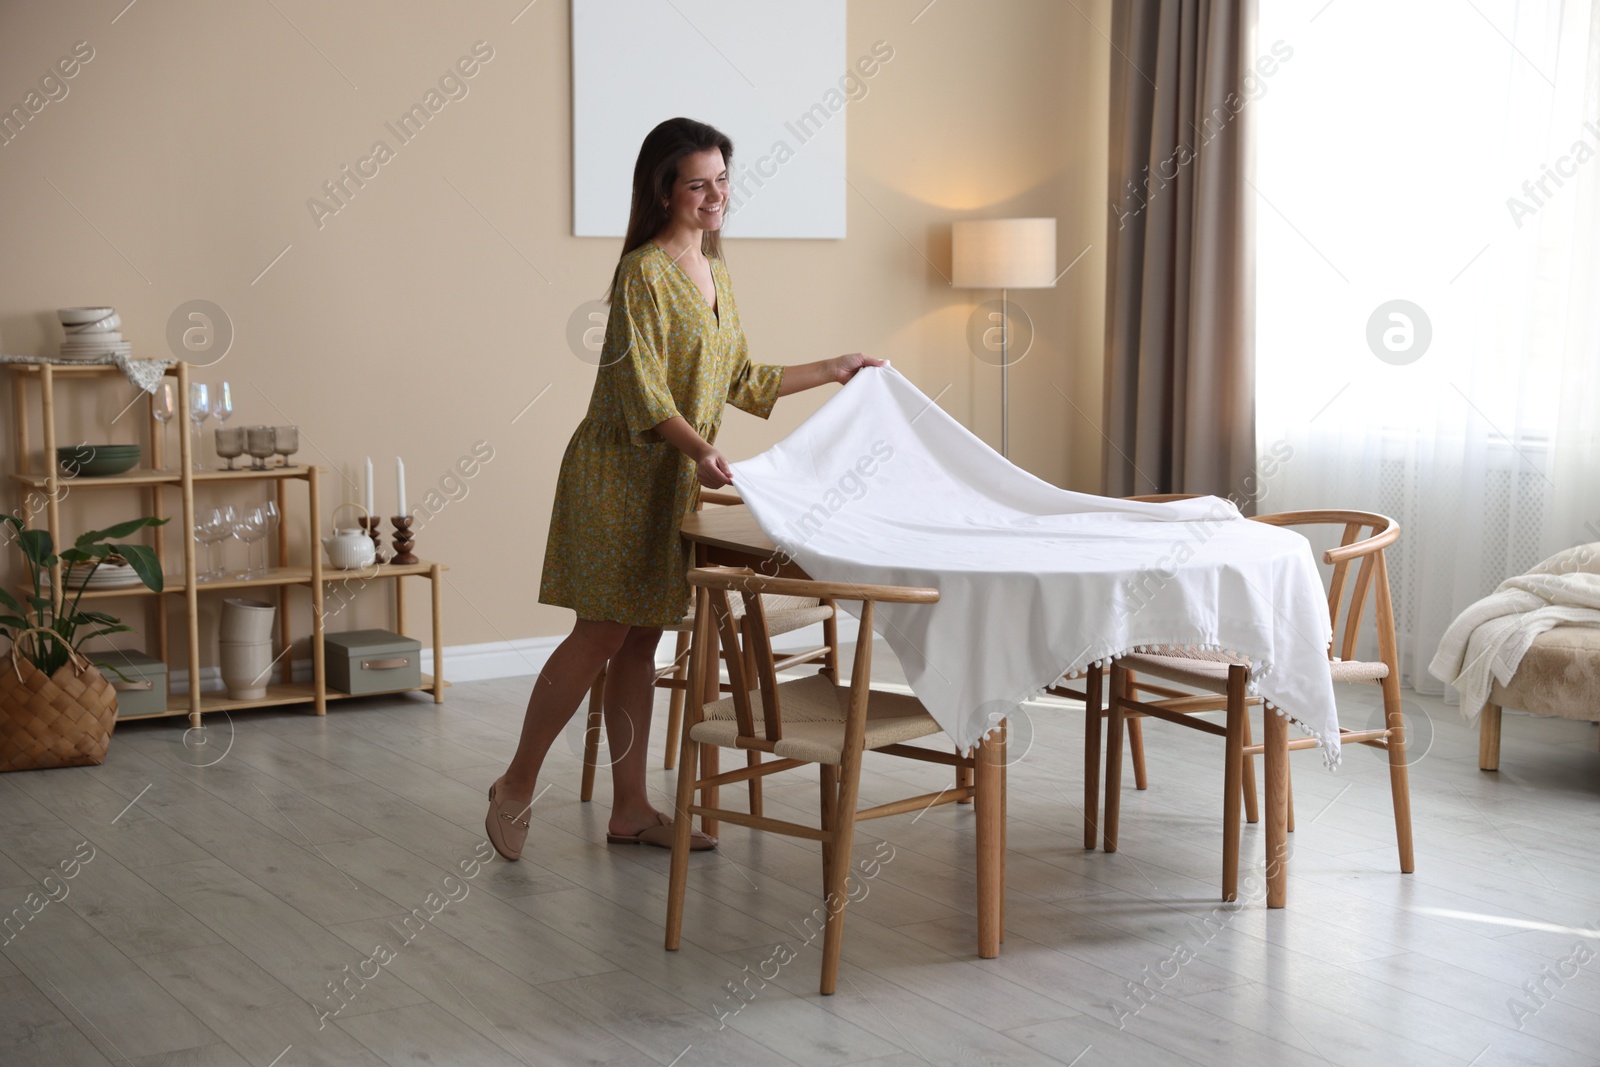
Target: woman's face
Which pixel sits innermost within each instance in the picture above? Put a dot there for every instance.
(701, 192)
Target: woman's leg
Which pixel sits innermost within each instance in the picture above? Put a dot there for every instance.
(557, 692)
(629, 701)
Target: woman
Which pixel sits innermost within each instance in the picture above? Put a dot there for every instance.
(673, 356)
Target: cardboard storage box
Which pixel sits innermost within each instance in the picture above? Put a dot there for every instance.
(142, 687)
(372, 661)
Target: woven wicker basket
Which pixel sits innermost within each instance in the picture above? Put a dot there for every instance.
(60, 720)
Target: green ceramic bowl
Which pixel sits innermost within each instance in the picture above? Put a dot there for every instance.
(97, 461)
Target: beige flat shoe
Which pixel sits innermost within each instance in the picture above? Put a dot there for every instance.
(661, 837)
(507, 830)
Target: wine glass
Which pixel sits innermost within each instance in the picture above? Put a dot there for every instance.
(230, 444)
(286, 442)
(164, 406)
(230, 530)
(222, 403)
(269, 511)
(250, 527)
(211, 531)
(260, 444)
(199, 412)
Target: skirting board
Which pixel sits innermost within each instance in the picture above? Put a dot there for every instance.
(514, 659)
(527, 656)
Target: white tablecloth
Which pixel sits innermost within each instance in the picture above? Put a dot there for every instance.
(882, 486)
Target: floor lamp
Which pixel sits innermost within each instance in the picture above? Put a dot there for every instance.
(1004, 254)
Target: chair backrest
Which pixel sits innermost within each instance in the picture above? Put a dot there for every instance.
(1372, 575)
(718, 582)
(1363, 538)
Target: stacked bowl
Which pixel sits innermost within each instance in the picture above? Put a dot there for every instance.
(97, 461)
(245, 637)
(91, 333)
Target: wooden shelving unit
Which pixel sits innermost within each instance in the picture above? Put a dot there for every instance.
(283, 578)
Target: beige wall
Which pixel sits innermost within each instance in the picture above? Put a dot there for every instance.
(191, 142)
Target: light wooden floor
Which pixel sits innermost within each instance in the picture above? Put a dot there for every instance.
(220, 904)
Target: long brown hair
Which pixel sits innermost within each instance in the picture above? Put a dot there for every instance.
(655, 173)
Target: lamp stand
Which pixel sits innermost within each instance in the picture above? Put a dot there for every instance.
(1005, 360)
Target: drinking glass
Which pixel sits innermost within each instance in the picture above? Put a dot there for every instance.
(250, 527)
(164, 406)
(222, 402)
(230, 444)
(269, 511)
(230, 530)
(199, 412)
(286, 442)
(260, 444)
(210, 531)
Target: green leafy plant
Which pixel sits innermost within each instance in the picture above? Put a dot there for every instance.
(68, 625)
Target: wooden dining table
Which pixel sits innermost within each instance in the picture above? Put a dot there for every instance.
(730, 537)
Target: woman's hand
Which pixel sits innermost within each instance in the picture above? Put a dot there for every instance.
(838, 370)
(709, 466)
(713, 470)
(845, 367)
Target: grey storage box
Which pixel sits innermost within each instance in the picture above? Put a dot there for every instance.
(142, 684)
(372, 661)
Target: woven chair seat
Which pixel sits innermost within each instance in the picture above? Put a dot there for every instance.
(1213, 666)
(785, 614)
(814, 711)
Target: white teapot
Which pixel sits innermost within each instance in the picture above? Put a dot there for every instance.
(350, 548)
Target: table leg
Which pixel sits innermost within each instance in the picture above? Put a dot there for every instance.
(1276, 741)
(1093, 711)
(1005, 821)
(989, 780)
(1115, 731)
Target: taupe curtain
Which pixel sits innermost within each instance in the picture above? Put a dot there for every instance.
(1180, 332)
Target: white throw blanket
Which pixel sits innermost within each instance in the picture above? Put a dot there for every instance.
(882, 486)
(1487, 641)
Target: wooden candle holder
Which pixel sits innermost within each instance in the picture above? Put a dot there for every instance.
(402, 540)
(374, 529)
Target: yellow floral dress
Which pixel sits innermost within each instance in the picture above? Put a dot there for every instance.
(614, 552)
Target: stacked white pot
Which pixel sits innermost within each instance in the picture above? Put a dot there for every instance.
(246, 639)
(91, 333)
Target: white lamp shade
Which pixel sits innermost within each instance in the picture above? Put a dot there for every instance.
(1004, 254)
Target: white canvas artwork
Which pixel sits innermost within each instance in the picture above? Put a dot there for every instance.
(771, 74)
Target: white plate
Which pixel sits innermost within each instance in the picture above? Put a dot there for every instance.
(92, 353)
(110, 322)
(80, 316)
(117, 581)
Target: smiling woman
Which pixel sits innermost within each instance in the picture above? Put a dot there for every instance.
(673, 358)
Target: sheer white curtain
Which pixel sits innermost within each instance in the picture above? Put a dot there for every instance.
(1445, 154)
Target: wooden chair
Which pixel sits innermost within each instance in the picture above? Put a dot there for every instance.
(817, 720)
(784, 615)
(1222, 683)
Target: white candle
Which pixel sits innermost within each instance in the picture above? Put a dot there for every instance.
(369, 487)
(400, 483)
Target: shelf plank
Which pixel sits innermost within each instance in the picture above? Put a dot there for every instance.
(276, 576)
(383, 570)
(278, 695)
(144, 477)
(71, 367)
